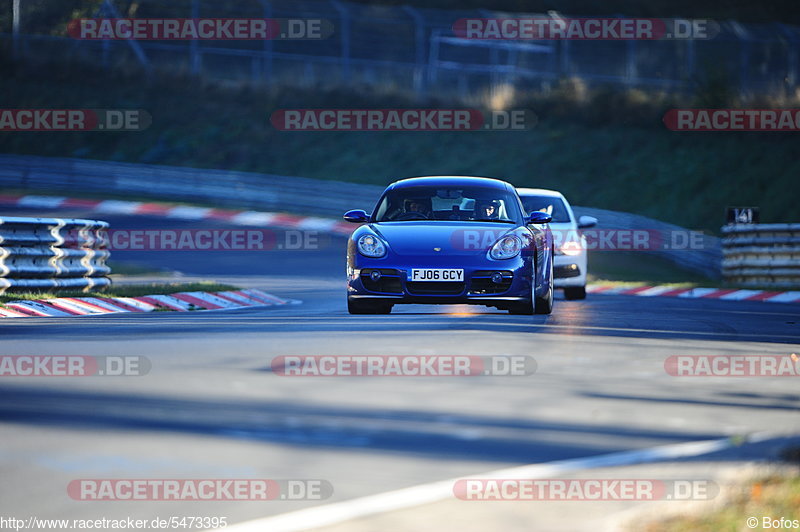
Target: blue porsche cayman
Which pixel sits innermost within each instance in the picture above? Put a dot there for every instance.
(445, 240)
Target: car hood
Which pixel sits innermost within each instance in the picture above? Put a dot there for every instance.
(420, 238)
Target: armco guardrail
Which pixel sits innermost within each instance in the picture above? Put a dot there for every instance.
(52, 253)
(298, 195)
(219, 187)
(762, 255)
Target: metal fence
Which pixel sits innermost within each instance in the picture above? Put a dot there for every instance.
(762, 255)
(52, 253)
(416, 49)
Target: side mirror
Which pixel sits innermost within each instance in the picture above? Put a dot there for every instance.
(357, 216)
(539, 217)
(585, 222)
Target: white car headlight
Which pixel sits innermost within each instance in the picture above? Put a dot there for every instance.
(371, 246)
(507, 247)
(571, 248)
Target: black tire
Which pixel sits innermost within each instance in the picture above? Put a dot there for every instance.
(368, 307)
(544, 305)
(574, 292)
(523, 308)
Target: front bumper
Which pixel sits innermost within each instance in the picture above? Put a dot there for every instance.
(569, 270)
(478, 288)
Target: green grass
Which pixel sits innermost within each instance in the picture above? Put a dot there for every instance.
(607, 150)
(776, 497)
(631, 266)
(126, 290)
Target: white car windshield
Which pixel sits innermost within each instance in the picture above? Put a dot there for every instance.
(552, 205)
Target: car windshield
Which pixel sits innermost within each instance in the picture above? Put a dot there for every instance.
(552, 205)
(448, 203)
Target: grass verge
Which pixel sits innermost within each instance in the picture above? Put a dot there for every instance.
(638, 267)
(126, 290)
(773, 497)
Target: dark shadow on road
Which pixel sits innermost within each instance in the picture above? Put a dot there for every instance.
(439, 434)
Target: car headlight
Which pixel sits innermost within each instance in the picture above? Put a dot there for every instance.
(371, 246)
(571, 248)
(507, 247)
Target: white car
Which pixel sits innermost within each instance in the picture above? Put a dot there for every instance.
(570, 245)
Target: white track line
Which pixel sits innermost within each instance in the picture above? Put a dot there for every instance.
(331, 514)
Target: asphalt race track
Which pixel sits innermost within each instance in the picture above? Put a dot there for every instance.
(212, 408)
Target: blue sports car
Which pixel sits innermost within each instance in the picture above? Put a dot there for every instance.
(444, 240)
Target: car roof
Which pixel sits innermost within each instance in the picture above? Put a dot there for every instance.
(465, 181)
(539, 192)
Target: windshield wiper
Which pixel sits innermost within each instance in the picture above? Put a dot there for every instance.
(495, 220)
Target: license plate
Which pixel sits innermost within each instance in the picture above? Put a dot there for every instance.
(437, 274)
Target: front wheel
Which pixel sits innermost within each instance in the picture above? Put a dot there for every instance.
(544, 305)
(368, 307)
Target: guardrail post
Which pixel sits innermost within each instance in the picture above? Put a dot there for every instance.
(194, 54)
(344, 18)
(744, 55)
(631, 68)
(268, 45)
(15, 29)
(433, 58)
(791, 57)
(419, 47)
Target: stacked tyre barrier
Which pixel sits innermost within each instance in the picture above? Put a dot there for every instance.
(762, 255)
(55, 254)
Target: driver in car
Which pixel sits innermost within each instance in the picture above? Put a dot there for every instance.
(487, 210)
(414, 205)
